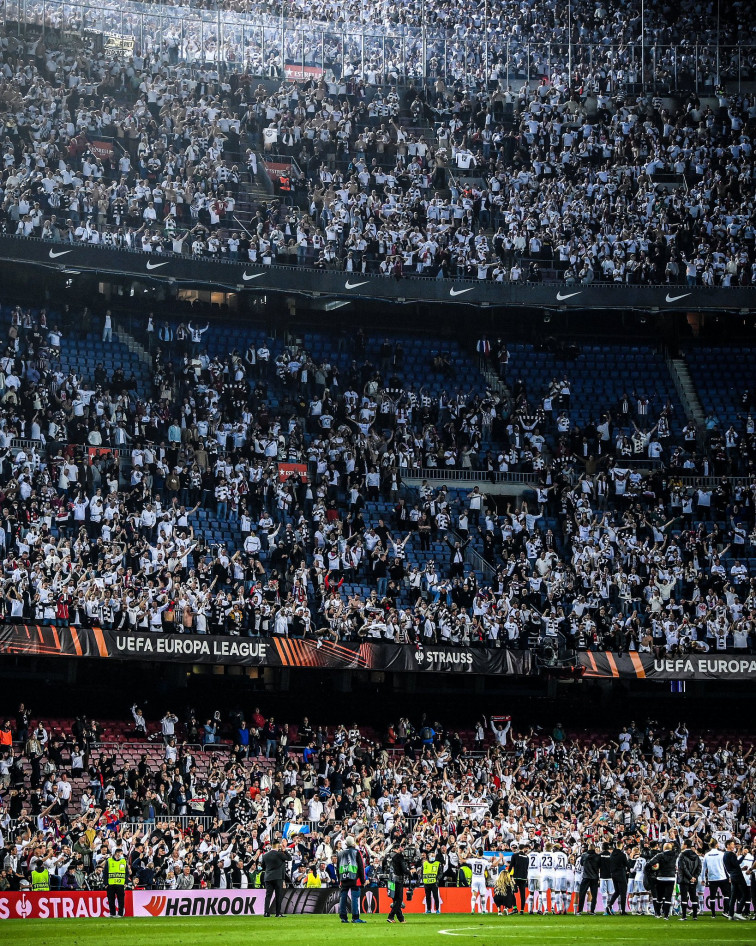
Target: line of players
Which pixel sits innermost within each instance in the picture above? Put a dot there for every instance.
(641, 882)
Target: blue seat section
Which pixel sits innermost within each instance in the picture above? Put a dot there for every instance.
(599, 376)
(722, 376)
(82, 352)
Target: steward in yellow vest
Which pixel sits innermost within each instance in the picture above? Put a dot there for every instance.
(430, 883)
(116, 875)
(40, 878)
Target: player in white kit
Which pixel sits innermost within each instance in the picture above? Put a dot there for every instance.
(478, 887)
(548, 878)
(564, 882)
(534, 880)
(638, 897)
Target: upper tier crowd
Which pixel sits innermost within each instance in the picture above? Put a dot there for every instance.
(477, 42)
(573, 175)
(193, 529)
(187, 822)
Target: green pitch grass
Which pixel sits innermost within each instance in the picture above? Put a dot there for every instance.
(417, 931)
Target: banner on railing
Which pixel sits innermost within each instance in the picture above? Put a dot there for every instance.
(278, 169)
(606, 666)
(56, 905)
(198, 902)
(285, 470)
(102, 148)
(94, 452)
(295, 71)
(236, 275)
(43, 640)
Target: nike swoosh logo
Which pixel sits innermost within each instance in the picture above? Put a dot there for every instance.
(460, 292)
(157, 265)
(247, 278)
(53, 255)
(669, 298)
(561, 296)
(354, 285)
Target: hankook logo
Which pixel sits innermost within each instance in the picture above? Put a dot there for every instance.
(156, 906)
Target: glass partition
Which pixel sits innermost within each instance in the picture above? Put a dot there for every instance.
(297, 47)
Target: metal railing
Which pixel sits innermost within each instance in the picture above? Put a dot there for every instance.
(434, 474)
(183, 822)
(711, 482)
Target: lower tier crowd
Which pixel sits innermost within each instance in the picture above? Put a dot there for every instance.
(188, 820)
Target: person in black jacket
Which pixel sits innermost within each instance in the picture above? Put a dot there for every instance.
(649, 876)
(664, 867)
(688, 872)
(738, 886)
(591, 863)
(518, 865)
(399, 875)
(605, 877)
(619, 869)
(274, 865)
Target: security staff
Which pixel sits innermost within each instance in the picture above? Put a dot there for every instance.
(591, 862)
(116, 872)
(518, 865)
(619, 870)
(399, 873)
(430, 883)
(274, 865)
(688, 872)
(313, 877)
(40, 877)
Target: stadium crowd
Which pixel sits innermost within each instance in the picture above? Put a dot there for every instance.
(478, 43)
(607, 550)
(577, 174)
(578, 178)
(194, 820)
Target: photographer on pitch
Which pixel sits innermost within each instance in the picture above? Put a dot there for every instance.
(351, 870)
(399, 876)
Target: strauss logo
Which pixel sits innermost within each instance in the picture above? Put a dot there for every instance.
(419, 656)
(24, 907)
